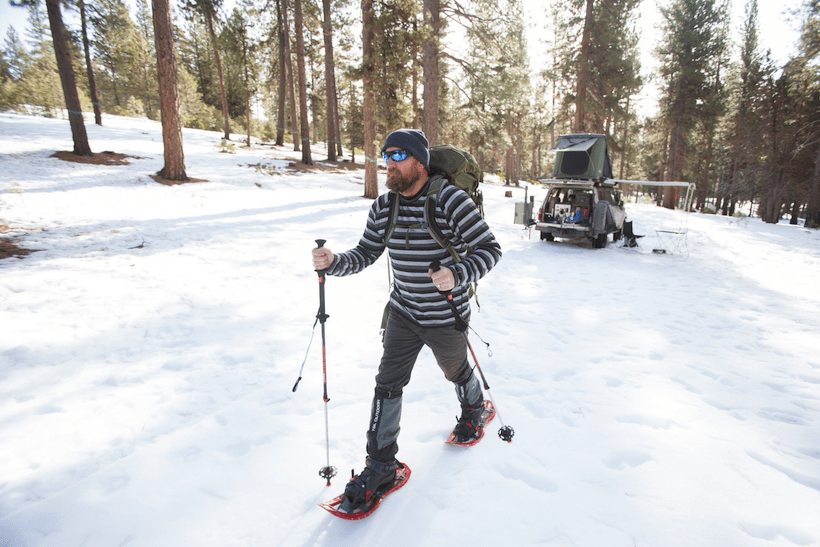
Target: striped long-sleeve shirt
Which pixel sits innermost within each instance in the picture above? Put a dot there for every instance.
(411, 249)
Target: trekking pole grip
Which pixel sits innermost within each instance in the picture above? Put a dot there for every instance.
(319, 244)
(321, 316)
(461, 324)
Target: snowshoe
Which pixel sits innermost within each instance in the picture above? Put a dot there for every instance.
(358, 502)
(470, 427)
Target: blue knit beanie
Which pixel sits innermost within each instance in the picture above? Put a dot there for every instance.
(413, 141)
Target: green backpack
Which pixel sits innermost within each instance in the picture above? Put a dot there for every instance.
(458, 167)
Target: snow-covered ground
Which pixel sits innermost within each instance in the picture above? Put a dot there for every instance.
(149, 349)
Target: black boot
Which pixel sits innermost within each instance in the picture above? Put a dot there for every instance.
(362, 488)
(469, 424)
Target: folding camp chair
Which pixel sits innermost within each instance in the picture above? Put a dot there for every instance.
(630, 239)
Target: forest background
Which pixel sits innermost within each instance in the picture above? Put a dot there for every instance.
(723, 112)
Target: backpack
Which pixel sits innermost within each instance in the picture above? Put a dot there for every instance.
(458, 167)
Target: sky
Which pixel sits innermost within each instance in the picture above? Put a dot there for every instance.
(10, 16)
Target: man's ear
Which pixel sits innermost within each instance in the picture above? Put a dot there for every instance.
(421, 170)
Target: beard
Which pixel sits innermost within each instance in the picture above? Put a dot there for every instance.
(399, 183)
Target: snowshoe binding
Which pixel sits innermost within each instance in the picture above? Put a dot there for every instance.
(470, 427)
(365, 491)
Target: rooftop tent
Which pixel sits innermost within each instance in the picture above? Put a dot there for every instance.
(582, 156)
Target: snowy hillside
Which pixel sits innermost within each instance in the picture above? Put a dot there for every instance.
(148, 351)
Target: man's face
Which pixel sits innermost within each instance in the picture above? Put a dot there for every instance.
(402, 175)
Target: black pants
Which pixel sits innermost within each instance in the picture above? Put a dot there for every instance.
(403, 340)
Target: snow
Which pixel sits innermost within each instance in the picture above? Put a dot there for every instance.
(149, 348)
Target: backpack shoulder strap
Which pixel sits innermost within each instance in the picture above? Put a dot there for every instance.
(392, 215)
(430, 204)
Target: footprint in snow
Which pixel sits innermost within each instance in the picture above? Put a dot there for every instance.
(771, 533)
(563, 374)
(785, 416)
(622, 460)
(649, 421)
(528, 476)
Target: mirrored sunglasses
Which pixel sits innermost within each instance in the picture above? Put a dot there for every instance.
(395, 155)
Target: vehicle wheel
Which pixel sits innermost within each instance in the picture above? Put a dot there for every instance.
(547, 237)
(599, 242)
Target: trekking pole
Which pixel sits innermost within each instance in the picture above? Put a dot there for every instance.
(506, 432)
(328, 471)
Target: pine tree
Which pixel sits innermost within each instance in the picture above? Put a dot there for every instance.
(13, 61)
(174, 168)
(40, 81)
(583, 70)
(810, 51)
(433, 34)
(369, 75)
(207, 9)
(288, 75)
(89, 67)
(746, 139)
(64, 64)
(692, 50)
(116, 45)
(240, 50)
(146, 58)
(300, 63)
(498, 86)
(281, 96)
(333, 134)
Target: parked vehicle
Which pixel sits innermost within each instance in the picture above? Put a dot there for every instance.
(581, 209)
(582, 200)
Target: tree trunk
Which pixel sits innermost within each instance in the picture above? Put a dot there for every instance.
(432, 21)
(113, 70)
(247, 83)
(300, 64)
(580, 97)
(294, 123)
(795, 215)
(371, 186)
(414, 84)
(518, 155)
(337, 124)
(675, 164)
(314, 127)
(533, 169)
(330, 82)
(89, 69)
(226, 117)
(148, 95)
(813, 207)
(283, 78)
(168, 93)
(69, 84)
(624, 146)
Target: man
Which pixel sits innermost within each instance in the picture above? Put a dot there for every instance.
(418, 313)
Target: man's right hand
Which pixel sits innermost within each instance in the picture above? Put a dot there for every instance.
(322, 258)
